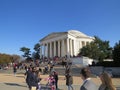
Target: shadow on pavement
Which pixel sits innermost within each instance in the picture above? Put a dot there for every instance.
(14, 84)
(44, 87)
(20, 76)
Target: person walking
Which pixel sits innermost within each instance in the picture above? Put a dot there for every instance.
(106, 82)
(33, 80)
(15, 69)
(27, 76)
(55, 75)
(87, 82)
(69, 80)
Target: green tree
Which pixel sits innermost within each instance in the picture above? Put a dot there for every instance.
(26, 51)
(36, 54)
(37, 47)
(98, 49)
(116, 52)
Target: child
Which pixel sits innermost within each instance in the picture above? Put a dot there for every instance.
(51, 82)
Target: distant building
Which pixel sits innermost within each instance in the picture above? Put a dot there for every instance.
(64, 43)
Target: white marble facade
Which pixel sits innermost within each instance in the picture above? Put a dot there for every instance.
(64, 43)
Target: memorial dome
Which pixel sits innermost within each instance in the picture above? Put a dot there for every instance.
(77, 33)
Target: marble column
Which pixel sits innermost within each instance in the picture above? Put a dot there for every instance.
(46, 50)
(71, 51)
(73, 48)
(68, 51)
(58, 48)
(54, 48)
(63, 48)
(50, 49)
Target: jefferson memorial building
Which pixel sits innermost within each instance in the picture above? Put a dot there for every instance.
(64, 43)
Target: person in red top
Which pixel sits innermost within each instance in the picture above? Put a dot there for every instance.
(15, 69)
(51, 82)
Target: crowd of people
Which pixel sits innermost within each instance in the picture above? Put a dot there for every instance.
(33, 78)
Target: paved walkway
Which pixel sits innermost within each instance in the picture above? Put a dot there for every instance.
(22, 86)
(10, 82)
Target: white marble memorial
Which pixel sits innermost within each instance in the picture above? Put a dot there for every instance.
(64, 43)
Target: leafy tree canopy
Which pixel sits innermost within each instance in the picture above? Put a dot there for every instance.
(98, 50)
(26, 51)
(36, 55)
(116, 52)
(37, 47)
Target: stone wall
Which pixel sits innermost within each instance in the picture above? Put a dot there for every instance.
(114, 71)
(96, 70)
(84, 61)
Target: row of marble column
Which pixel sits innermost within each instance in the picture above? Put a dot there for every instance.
(58, 48)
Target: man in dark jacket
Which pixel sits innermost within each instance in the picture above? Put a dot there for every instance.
(28, 74)
(33, 79)
(55, 75)
(69, 80)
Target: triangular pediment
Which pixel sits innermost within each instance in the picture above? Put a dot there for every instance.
(77, 34)
(53, 35)
(74, 33)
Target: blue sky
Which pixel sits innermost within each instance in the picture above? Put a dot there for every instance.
(25, 22)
